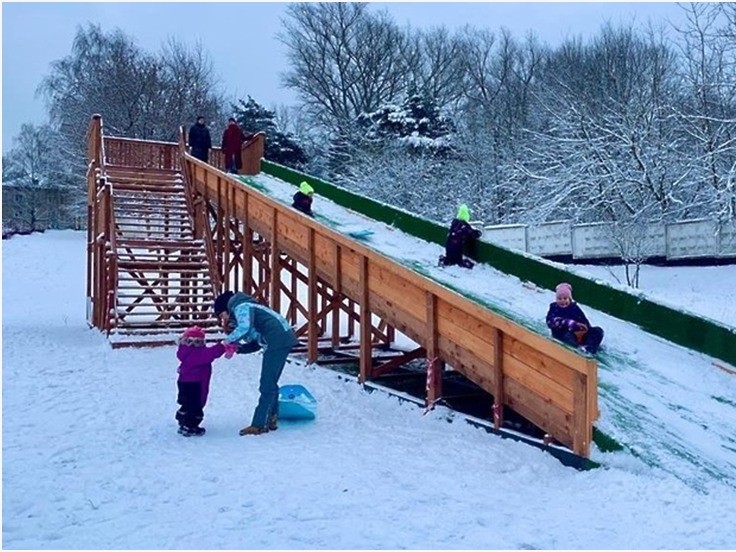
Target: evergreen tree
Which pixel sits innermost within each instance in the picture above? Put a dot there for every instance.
(280, 146)
(417, 123)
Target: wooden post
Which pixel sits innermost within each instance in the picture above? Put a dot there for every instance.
(247, 252)
(582, 426)
(220, 232)
(275, 264)
(312, 336)
(337, 297)
(226, 235)
(498, 396)
(366, 348)
(434, 365)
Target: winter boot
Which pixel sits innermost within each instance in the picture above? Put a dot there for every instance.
(273, 423)
(253, 430)
(191, 431)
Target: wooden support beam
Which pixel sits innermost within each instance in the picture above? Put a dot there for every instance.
(366, 367)
(337, 298)
(226, 237)
(582, 431)
(247, 252)
(396, 361)
(434, 364)
(275, 264)
(498, 395)
(312, 298)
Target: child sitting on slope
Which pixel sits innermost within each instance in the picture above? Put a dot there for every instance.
(569, 324)
(195, 372)
(303, 199)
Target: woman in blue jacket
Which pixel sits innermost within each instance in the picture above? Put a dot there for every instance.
(255, 326)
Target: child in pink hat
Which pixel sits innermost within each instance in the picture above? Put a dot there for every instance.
(195, 372)
(569, 324)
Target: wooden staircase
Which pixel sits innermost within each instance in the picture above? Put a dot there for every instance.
(162, 280)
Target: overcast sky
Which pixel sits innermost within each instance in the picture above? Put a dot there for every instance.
(241, 37)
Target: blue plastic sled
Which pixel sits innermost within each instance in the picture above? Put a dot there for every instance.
(296, 403)
(360, 234)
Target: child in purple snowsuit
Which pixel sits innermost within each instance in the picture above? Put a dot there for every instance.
(569, 324)
(193, 383)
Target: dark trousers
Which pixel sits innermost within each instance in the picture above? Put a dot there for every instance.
(233, 162)
(201, 154)
(190, 413)
(591, 341)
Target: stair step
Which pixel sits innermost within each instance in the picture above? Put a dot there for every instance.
(168, 280)
(163, 265)
(208, 330)
(164, 323)
(152, 257)
(160, 244)
(164, 189)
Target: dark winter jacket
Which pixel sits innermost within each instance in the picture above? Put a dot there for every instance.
(200, 141)
(303, 203)
(460, 234)
(561, 320)
(257, 323)
(232, 140)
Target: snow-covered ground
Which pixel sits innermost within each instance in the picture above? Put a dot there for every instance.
(703, 290)
(91, 458)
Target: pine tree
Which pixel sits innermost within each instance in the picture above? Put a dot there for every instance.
(280, 146)
(417, 123)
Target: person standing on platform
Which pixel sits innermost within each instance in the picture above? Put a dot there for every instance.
(200, 141)
(232, 142)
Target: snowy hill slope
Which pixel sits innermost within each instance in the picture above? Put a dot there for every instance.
(91, 458)
(666, 404)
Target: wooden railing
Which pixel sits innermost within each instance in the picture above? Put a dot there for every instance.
(129, 152)
(251, 153)
(548, 384)
(101, 268)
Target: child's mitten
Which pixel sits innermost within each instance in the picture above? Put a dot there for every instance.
(230, 349)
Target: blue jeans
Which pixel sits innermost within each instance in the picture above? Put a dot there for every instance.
(271, 368)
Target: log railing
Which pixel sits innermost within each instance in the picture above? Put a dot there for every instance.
(548, 384)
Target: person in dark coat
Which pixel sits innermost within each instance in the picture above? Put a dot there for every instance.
(303, 199)
(200, 141)
(232, 141)
(569, 324)
(193, 383)
(254, 326)
(460, 235)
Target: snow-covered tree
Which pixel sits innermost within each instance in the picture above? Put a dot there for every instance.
(140, 95)
(280, 146)
(708, 106)
(417, 124)
(608, 146)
